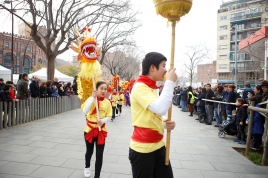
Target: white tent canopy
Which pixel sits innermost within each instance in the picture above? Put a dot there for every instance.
(5, 73)
(42, 74)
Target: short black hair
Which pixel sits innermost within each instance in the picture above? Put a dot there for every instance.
(6, 87)
(190, 89)
(9, 82)
(152, 58)
(99, 83)
(204, 90)
(24, 75)
(208, 84)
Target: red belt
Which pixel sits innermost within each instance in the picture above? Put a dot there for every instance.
(94, 132)
(145, 135)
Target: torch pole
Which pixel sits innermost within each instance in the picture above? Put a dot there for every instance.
(170, 109)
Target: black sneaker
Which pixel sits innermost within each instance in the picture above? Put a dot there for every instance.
(208, 123)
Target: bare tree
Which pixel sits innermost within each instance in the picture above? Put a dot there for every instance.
(118, 30)
(60, 18)
(122, 62)
(195, 54)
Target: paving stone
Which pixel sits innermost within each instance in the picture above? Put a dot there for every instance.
(229, 167)
(18, 157)
(63, 140)
(48, 161)
(241, 175)
(206, 158)
(15, 141)
(67, 147)
(45, 151)
(19, 148)
(43, 144)
(52, 172)
(2, 162)
(116, 168)
(3, 153)
(113, 175)
(196, 165)
(187, 173)
(41, 138)
(74, 163)
(21, 168)
(213, 174)
(72, 154)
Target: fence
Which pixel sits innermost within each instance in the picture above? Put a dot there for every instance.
(262, 111)
(24, 111)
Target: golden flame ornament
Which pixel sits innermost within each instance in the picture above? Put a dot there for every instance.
(172, 10)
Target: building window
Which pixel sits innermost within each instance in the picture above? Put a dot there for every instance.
(223, 66)
(7, 45)
(223, 37)
(223, 47)
(223, 57)
(14, 45)
(223, 17)
(224, 27)
(29, 49)
(23, 48)
(26, 61)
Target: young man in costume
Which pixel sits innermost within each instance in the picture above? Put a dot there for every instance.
(120, 100)
(147, 148)
(114, 100)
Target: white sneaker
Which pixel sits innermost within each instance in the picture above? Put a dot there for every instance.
(87, 172)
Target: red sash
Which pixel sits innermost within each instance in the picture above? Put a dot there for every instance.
(94, 132)
(145, 135)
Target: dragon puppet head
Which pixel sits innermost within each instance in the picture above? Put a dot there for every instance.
(88, 52)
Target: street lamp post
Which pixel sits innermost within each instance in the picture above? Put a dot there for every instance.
(12, 38)
(235, 73)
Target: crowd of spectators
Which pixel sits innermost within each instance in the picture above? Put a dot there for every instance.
(35, 88)
(195, 101)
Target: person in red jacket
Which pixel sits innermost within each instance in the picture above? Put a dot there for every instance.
(12, 93)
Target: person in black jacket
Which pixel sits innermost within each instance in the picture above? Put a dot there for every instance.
(209, 105)
(50, 90)
(34, 88)
(231, 98)
(2, 84)
(200, 102)
(258, 93)
(43, 90)
(241, 117)
(75, 86)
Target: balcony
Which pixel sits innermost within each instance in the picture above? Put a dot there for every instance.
(244, 17)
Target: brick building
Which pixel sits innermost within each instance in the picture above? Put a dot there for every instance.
(22, 44)
(206, 73)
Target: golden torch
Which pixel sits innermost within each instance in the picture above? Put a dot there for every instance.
(172, 10)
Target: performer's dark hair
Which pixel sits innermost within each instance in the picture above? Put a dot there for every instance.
(152, 58)
(99, 83)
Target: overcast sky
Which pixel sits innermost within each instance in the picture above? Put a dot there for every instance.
(197, 27)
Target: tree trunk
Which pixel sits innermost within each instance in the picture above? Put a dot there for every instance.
(50, 68)
(191, 79)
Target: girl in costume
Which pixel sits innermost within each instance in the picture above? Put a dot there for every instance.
(91, 131)
(120, 102)
(114, 100)
(127, 97)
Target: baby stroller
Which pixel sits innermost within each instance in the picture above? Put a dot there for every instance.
(202, 116)
(228, 127)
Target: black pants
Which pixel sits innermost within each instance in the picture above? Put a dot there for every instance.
(241, 132)
(114, 110)
(99, 156)
(257, 139)
(119, 108)
(150, 165)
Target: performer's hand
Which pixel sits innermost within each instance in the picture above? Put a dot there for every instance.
(170, 125)
(171, 75)
(94, 94)
(99, 122)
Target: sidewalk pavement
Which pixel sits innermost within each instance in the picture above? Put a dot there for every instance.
(54, 148)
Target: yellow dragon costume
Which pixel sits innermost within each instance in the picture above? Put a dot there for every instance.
(88, 51)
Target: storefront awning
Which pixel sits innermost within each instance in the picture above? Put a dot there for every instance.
(254, 45)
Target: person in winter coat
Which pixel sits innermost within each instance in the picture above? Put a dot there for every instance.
(258, 93)
(225, 94)
(241, 117)
(231, 98)
(22, 87)
(50, 90)
(247, 89)
(183, 100)
(209, 105)
(43, 90)
(191, 100)
(201, 105)
(34, 88)
(217, 106)
(257, 126)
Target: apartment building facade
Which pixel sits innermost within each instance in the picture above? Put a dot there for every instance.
(248, 16)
